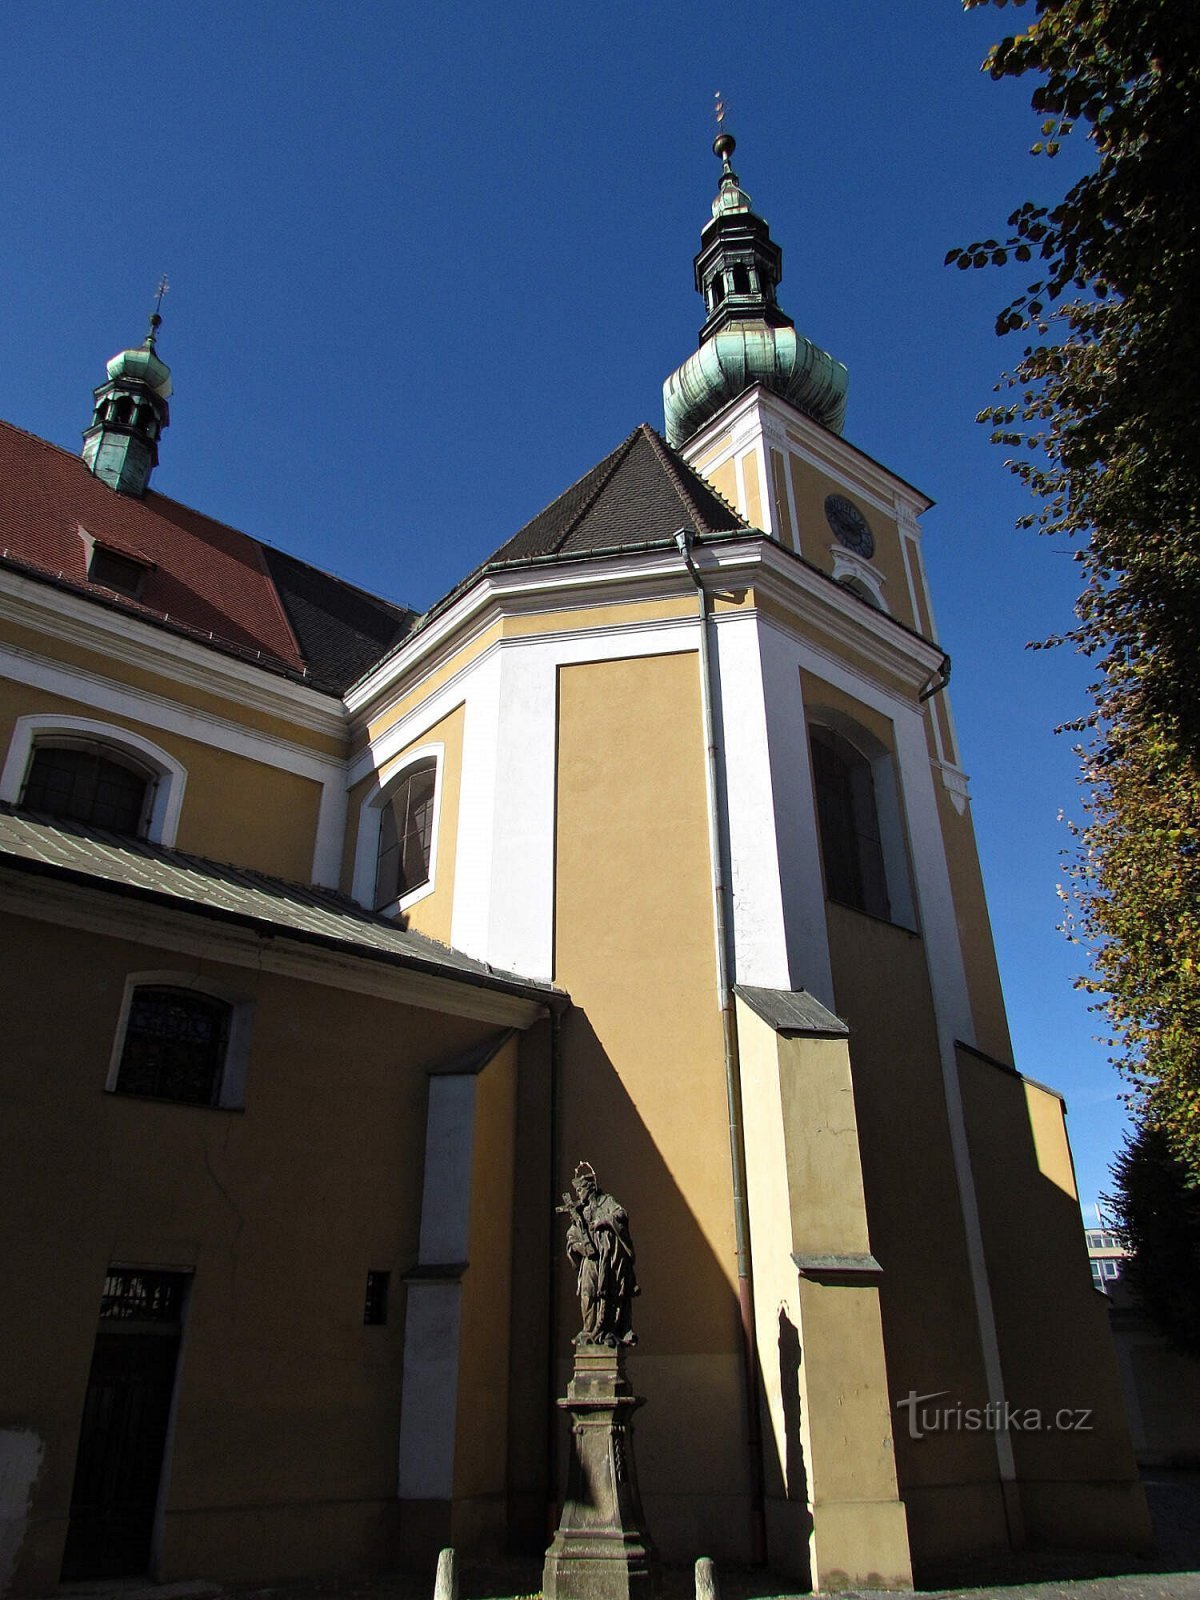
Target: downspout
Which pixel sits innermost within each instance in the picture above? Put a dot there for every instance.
(717, 847)
(555, 1265)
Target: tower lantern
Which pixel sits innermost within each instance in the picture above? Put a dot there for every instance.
(130, 413)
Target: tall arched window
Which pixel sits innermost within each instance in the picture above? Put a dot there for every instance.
(405, 835)
(848, 818)
(86, 781)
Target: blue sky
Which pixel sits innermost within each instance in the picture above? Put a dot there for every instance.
(429, 263)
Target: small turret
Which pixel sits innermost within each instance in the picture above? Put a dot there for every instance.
(131, 411)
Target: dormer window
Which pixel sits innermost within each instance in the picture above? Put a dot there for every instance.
(111, 569)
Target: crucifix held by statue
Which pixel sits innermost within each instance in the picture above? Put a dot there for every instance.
(599, 1244)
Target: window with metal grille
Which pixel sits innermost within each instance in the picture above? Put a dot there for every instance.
(89, 783)
(133, 1295)
(405, 835)
(375, 1305)
(848, 819)
(174, 1046)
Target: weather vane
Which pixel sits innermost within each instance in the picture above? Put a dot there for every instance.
(719, 109)
(163, 286)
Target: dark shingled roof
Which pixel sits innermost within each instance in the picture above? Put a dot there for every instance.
(642, 493)
(344, 629)
(201, 578)
(72, 851)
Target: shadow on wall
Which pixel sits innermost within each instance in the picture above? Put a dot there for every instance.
(690, 1437)
(795, 1469)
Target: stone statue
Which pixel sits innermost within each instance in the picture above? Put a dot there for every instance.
(598, 1242)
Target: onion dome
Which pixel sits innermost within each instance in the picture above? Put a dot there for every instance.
(747, 338)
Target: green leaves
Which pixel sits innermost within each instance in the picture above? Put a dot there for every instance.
(1103, 416)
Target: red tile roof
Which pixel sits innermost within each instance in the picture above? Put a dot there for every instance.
(202, 577)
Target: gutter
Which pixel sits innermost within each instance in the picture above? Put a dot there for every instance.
(718, 854)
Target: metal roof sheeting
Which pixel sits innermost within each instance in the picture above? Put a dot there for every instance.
(112, 862)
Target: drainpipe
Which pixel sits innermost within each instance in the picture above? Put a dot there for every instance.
(718, 851)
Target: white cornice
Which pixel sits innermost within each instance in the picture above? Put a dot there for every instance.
(165, 928)
(555, 586)
(115, 697)
(819, 605)
(126, 637)
(758, 409)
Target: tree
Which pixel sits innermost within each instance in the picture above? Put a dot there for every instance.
(1158, 1213)
(1104, 408)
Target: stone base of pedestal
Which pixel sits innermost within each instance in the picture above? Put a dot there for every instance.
(601, 1550)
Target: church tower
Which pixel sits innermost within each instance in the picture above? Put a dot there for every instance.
(130, 413)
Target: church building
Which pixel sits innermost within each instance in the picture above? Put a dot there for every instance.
(336, 935)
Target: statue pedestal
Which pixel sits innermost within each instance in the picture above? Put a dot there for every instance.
(601, 1551)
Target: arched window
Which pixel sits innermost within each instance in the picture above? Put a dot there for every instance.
(741, 280)
(405, 835)
(718, 289)
(64, 765)
(174, 1045)
(86, 781)
(848, 817)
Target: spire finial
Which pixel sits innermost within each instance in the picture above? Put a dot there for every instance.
(155, 317)
(723, 144)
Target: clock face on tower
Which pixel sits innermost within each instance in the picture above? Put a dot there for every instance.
(849, 525)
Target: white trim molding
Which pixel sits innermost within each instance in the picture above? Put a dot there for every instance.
(170, 774)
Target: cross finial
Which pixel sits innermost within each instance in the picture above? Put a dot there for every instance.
(155, 315)
(723, 144)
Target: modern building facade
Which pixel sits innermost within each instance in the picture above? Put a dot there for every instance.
(337, 935)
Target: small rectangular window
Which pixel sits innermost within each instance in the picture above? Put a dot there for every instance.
(375, 1305)
(111, 570)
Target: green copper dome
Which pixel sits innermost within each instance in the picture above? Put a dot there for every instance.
(747, 338)
(141, 366)
(743, 354)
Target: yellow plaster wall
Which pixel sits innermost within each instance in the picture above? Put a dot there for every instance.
(724, 481)
(809, 488)
(1079, 1485)
(784, 531)
(949, 1481)
(974, 927)
(752, 480)
(612, 614)
(642, 1081)
(234, 809)
(284, 1455)
(820, 1343)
